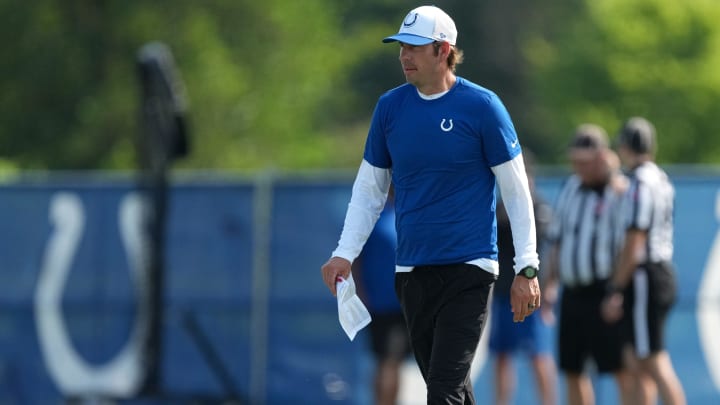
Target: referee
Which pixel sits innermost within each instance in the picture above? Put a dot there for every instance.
(643, 285)
(585, 239)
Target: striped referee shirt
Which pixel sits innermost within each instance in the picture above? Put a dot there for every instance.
(648, 206)
(587, 231)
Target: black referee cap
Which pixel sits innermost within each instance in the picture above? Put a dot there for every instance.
(638, 134)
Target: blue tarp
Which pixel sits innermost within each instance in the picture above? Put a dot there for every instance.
(260, 303)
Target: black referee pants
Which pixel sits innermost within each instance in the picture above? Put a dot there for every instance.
(445, 308)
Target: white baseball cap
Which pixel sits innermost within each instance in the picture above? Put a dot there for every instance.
(424, 25)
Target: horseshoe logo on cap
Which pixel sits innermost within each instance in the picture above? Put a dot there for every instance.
(407, 23)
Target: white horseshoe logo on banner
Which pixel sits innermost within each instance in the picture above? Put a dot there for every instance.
(708, 311)
(123, 375)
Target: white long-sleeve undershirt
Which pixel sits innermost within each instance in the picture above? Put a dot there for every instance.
(515, 191)
(369, 195)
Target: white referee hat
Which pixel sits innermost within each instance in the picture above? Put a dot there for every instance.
(589, 136)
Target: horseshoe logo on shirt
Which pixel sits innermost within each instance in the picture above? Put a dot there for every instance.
(446, 129)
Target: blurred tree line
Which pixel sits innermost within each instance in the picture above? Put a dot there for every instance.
(292, 84)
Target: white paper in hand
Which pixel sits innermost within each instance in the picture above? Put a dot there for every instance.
(351, 311)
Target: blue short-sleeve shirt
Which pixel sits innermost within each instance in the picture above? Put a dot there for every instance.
(440, 152)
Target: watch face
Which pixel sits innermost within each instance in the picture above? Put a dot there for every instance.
(529, 272)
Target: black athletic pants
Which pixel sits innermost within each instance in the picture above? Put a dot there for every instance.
(445, 308)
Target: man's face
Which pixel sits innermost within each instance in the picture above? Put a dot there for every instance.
(589, 165)
(420, 64)
(625, 155)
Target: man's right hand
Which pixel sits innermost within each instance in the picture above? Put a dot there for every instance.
(334, 268)
(612, 307)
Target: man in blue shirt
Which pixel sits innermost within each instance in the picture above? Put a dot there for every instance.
(444, 142)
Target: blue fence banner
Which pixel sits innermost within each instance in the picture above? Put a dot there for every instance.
(245, 311)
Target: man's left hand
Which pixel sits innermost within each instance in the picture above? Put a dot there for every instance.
(524, 297)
